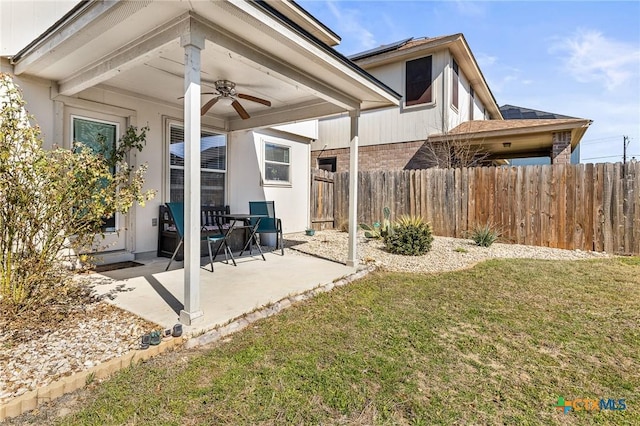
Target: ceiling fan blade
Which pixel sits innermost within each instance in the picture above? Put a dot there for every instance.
(240, 110)
(203, 93)
(254, 99)
(206, 107)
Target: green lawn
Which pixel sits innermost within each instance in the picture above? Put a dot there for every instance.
(496, 344)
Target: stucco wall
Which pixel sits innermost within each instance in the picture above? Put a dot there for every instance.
(245, 164)
(244, 154)
(36, 94)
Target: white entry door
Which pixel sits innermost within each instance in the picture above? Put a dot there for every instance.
(101, 136)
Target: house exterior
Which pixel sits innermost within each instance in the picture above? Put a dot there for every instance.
(512, 112)
(92, 67)
(445, 98)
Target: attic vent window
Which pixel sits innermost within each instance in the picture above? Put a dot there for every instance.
(418, 81)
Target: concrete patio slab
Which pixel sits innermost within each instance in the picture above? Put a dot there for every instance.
(227, 293)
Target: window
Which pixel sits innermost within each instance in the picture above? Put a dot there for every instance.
(454, 85)
(213, 165)
(471, 102)
(328, 164)
(101, 138)
(418, 81)
(276, 163)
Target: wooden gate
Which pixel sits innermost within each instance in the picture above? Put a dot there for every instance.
(322, 199)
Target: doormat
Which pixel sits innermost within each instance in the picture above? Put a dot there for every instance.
(115, 266)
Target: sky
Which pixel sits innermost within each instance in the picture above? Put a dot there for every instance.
(575, 58)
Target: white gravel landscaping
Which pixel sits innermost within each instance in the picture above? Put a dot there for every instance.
(447, 254)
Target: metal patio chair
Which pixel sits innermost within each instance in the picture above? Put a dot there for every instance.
(269, 224)
(176, 210)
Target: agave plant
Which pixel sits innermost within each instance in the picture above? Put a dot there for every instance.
(485, 235)
(410, 235)
(378, 230)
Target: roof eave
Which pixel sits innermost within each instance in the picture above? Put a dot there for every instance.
(85, 13)
(579, 127)
(394, 97)
(395, 55)
(298, 14)
(77, 10)
(473, 64)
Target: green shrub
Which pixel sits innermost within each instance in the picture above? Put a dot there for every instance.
(410, 236)
(485, 235)
(53, 204)
(377, 230)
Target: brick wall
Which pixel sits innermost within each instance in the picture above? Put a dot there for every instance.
(561, 149)
(391, 156)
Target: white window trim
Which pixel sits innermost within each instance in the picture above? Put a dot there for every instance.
(275, 183)
(453, 73)
(424, 105)
(167, 142)
(71, 145)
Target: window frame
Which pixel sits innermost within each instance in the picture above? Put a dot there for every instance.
(269, 182)
(413, 103)
(172, 122)
(455, 84)
(472, 101)
(328, 161)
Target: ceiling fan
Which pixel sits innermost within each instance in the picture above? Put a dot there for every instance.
(226, 91)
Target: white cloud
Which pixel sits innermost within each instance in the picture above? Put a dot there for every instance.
(469, 8)
(485, 60)
(350, 27)
(503, 78)
(589, 56)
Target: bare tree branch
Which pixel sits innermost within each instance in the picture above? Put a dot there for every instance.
(452, 150)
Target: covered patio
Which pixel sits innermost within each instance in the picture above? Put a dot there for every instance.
(114, 56)
(521, 138)
(228, 293)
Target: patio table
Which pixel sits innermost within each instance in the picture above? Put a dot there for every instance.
(245, 218)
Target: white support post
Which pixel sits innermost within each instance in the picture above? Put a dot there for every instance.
(352, 256)
(192, 44)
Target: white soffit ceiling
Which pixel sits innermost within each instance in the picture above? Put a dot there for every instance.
(288, 58)
(161, 78)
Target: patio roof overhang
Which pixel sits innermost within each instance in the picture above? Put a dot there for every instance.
(161, 51)
(135, 48)
(508, 139)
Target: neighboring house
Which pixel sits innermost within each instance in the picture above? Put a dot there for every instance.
(511, 112)
(102, 66)
(445, 97)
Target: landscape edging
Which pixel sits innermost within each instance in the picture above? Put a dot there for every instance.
(31, 400)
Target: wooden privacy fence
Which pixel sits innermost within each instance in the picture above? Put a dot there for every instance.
(582, 206)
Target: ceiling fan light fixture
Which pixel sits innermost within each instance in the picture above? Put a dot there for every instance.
(226, 101)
